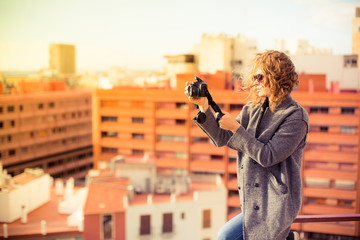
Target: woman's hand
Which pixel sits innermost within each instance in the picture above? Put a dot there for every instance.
(202, 102)
(228, 122)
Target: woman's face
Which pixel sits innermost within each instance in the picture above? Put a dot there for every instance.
(259, 82)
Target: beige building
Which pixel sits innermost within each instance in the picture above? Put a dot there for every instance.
(299, 47)
(339, 69)
(356, 36)
(223, 53)
(62, 59)
(356, 33)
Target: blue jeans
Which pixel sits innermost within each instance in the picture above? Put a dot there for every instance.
(233, 229)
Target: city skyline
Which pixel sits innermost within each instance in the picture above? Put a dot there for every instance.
(138, 34)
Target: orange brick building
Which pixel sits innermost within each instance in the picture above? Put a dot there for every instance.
(159, 122)
(46, 126)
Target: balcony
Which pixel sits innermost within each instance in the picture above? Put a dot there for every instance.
(172, 163)
(208, 166)
(206, 148)
(171, 146)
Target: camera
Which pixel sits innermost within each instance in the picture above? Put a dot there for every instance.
(198, 88)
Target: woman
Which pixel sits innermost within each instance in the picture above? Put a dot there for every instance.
(269, 135)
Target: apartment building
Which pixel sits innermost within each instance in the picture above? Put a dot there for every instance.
(159, 123)
(49, 130)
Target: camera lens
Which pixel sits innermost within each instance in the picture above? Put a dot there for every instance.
(192, 91)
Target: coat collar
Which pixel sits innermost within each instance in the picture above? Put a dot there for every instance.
(287, 102)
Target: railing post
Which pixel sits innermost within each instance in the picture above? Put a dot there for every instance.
(43, 227)
(5, 228)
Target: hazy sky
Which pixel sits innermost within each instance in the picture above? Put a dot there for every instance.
(138, 33)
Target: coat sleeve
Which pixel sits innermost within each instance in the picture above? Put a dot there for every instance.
(288, 137)
(219, 137)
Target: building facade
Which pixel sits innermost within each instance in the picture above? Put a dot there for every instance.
(159, 123)
(224, 53)
(49, 130)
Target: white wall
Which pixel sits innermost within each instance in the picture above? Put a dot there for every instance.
(137, 173)
(188, 228)
(31, 195)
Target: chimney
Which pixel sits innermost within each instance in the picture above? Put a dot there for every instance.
(5, 229)
(173, 197)
(126, 202)
(69, 188)
(23, 214)
(2, 178)
(149, 199)
(43, 227)
(59, 187)
(195, 196)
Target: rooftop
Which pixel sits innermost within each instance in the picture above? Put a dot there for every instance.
(56, 223)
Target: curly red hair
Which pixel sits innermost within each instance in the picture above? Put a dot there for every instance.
(280, 77)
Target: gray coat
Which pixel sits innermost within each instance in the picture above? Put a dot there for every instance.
(268, 165)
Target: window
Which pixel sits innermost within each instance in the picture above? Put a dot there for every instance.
(324, 129)
(180, 121)
(348, 129)
(109, 150)
(107, 226)
(182, 215)
(181, 105)
(137, 152)
(348, 110)
(109, 134)
(21, 108)
(137, 120)
(137, 136)
(319, 109)
(1, 124)
(51, 104)
(12, 123)
(12, 152)
(167, 223)
(145, 225)
(40, 106)
(206, 218)
(1, 109)
(108, 119)
(10, 109)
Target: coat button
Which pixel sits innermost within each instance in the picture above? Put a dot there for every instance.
(242, 166)
(256, 208)
(256, 185)
(239, 188)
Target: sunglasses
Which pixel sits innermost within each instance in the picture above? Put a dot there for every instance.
(259, 78)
